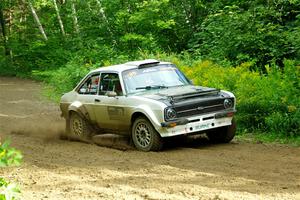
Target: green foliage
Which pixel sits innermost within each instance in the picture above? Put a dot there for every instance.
(259, 32)
(229, 33)
(8, 191)
(269, 103)
(8, 157)
(7, 68)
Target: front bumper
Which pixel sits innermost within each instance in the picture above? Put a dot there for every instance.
(195, 124)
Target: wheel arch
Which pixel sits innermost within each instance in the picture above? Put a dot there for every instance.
(78, 108)
(136, 115)
(140, 113)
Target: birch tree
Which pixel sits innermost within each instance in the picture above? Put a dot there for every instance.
(2, 22)
(3, 29)
(102, 13)
(74, 15)
(10, 17)
(37, 20)
(59, 18)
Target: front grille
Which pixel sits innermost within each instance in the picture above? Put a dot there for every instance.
(197, 108)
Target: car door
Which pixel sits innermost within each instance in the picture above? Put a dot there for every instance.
(87, 92)
(110, 110)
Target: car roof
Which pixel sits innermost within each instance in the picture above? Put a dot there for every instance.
(129, 65)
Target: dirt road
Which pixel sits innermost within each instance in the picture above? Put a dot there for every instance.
(60, 169)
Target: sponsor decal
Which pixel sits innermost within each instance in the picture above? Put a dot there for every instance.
(115, 113)
(202, 126)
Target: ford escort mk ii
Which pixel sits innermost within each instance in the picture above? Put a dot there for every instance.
(148, 100)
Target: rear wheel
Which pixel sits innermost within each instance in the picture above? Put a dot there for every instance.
(223, 134)
(144, 136)
(78, 128)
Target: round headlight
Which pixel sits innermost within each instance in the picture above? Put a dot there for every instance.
(228, 103)
(171, 113)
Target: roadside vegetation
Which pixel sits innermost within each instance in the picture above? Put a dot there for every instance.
(9, 157)
(251, 48)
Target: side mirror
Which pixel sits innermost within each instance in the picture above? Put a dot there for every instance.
(82, 90)
(111, 94)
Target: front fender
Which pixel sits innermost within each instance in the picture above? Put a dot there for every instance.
(79, 108)
(155, 116)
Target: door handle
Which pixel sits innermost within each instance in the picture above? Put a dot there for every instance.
(97, 100)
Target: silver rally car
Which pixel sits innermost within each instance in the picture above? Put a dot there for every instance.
(148, 100)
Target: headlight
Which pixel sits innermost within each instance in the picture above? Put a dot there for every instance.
(228, 103)
(170, 113)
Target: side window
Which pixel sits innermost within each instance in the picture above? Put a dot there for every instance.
(90, 86)
(110, 82)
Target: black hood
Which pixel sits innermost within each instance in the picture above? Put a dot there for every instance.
(182, 93)
(192, 100)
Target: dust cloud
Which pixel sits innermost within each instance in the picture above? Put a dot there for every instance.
(42, 129)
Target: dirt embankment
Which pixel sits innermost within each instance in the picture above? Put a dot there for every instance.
(59, 169)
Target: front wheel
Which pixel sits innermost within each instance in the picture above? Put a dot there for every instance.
(78, 128)
(144, 136)
(223, 134)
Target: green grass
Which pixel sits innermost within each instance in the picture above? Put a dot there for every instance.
(267, 138)
(49, 93)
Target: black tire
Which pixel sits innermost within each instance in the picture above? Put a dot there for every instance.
(223, 134)
(78, 128)
(144, 136)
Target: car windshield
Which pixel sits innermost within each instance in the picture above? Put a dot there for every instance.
(162, 76)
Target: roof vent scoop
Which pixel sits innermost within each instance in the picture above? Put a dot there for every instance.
(144, 63)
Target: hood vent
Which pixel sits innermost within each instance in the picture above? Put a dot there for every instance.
(177, 98)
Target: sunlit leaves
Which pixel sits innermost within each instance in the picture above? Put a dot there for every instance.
(9, 156)
(8, 191)
(268, 103)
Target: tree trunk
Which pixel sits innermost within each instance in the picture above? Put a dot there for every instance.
(10, 25)
(10, 18)
(3, 30)
(59, 19)
(74, 14)
(102, 13)
(23, 17)
(37, 20)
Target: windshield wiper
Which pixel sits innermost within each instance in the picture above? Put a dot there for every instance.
(150, 87)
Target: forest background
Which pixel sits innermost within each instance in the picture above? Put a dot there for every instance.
(251, 48)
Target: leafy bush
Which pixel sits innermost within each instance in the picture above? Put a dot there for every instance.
(6, 69)
(8, 191)
(8, 157)
(269, 103)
